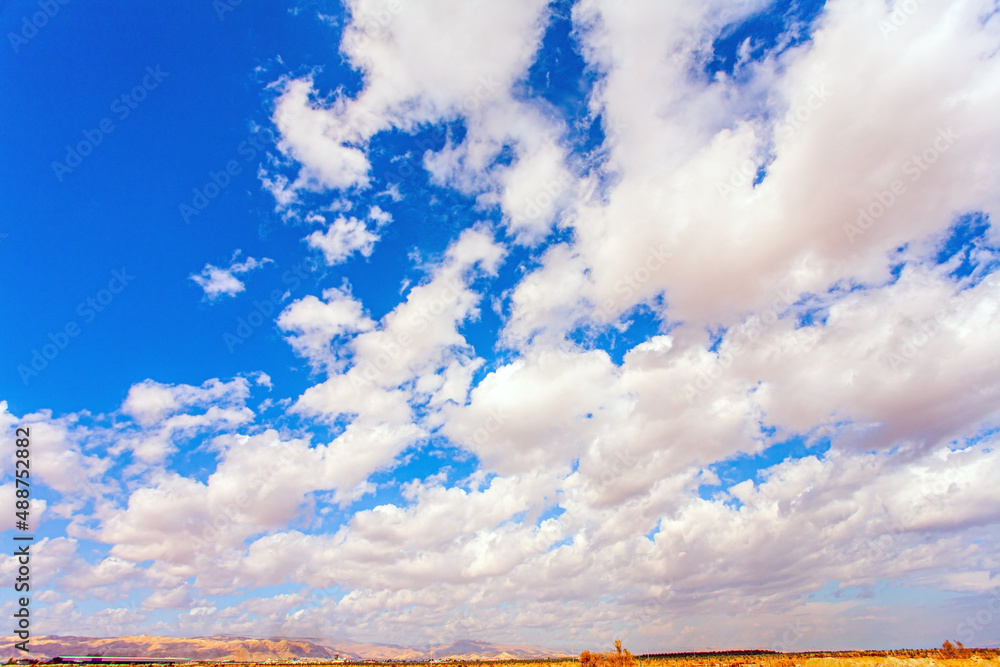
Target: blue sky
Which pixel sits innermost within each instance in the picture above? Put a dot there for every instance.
(527, 322)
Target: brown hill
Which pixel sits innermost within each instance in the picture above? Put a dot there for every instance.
(241, 649)
(248, 649)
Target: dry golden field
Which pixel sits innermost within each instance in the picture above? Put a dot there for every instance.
(852, 659)
(903, 658)
(919, 658)
(930, 658)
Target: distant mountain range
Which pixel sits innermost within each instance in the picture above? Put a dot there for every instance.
(248, 649)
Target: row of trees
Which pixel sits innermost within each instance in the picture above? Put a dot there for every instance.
(623, 658)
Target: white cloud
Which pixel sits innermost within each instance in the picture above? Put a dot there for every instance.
(316, 139)
(614, 487)
(163, 413)
(380, 217)
(422, 62)
(315, 323)
(150, 402)
(218, 282)
(682, 137)
(417, 338)
(343, 238)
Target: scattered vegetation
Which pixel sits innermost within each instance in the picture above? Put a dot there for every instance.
(618, 658)
(951, 654)
(955, 656)
(956, 650)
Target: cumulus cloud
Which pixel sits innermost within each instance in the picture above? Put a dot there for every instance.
(316, 323)
(744, 383)
(306, 131)
(343, 238)
(150, 402)
(422, 62)
(822, 336)
(417, 338)
(218, 282)
(165, 412)
(680, 200)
